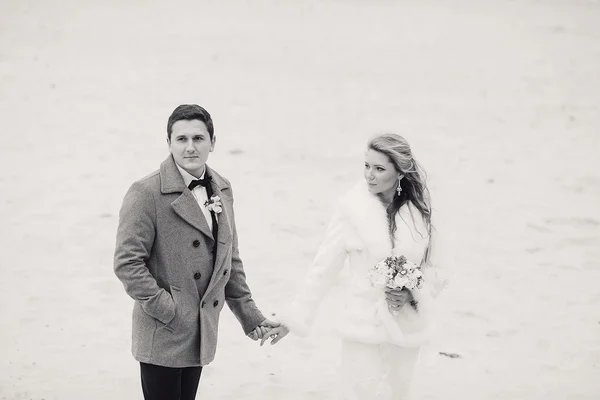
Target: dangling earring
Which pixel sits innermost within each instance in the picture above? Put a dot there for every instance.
(399, 188)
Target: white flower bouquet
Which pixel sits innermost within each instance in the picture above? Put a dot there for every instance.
(396, 272)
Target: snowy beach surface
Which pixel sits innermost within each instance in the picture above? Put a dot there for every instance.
(499, 99)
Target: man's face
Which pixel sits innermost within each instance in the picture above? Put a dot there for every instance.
(190, 145)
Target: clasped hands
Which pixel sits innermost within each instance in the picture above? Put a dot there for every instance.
(397, 298)
(269, 329)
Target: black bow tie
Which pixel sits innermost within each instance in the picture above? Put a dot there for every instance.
(200, 182)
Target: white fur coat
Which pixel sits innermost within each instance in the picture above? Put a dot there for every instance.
(358, 233)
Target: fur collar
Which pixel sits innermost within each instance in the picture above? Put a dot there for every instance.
(369, 218)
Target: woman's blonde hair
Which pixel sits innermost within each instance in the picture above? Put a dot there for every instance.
(414, 187)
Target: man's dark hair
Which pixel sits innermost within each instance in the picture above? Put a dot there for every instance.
(190, 112)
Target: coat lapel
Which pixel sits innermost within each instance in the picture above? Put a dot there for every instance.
(185, 205)
(225, 236)
(187, 208)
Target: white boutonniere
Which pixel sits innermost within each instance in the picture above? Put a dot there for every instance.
(214, 204)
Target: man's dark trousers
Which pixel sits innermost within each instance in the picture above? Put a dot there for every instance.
(165, 383)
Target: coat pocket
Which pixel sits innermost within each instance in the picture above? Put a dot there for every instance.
(174, 323)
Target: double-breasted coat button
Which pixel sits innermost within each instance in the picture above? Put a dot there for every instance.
(197, 275)
(203, 304)
(216, 303)
(196, 243)
(225, 272)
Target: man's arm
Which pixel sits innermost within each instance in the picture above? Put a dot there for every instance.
(135, 237)
(237, 292)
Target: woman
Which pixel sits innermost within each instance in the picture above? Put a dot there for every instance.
(382, 330)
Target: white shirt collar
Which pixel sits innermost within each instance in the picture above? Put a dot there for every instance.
(187, 177)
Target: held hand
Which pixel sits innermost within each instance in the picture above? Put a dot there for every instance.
(276, 334)
(254, 334)
(269, 324)
(261, 330)
(258, 332)
(397, 298)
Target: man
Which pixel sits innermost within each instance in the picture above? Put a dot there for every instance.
(177, 257)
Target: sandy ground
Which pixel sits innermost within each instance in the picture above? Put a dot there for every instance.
(500, 100)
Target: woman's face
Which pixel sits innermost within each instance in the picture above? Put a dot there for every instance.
(380, 173)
